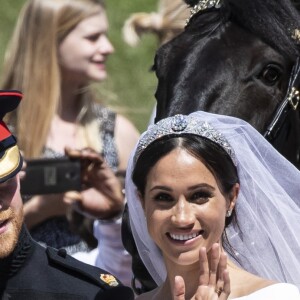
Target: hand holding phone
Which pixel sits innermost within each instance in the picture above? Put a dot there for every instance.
(102, 195)
(51, 176)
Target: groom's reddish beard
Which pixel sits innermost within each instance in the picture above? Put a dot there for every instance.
(9, 239)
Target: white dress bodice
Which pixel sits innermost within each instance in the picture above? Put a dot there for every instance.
(278, 291)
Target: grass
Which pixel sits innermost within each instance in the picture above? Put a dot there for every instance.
(130, 87)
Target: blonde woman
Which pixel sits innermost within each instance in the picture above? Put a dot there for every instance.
(57, 49)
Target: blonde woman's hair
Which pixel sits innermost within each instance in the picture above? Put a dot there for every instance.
(166, 23)
(31, 66)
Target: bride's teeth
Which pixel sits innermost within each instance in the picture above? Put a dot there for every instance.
(183, 237)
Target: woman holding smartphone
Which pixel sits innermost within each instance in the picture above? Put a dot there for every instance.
(57, 50)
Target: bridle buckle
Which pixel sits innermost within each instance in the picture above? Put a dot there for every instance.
(294, 98)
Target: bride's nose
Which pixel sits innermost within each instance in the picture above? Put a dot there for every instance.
(183, 214)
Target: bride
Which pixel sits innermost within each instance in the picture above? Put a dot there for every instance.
(215, 211)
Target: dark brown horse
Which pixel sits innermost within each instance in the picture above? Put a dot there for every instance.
(237, 58)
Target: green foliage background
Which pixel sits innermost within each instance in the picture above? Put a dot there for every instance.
(130, 87)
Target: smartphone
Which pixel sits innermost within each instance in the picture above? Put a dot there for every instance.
(51, 176)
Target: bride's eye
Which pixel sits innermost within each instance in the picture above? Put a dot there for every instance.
(163, 197)
(200, 197)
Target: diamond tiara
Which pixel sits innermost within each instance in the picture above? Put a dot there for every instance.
(202, 5)
(178, 125)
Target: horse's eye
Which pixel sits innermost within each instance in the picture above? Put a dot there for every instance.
(270, 74)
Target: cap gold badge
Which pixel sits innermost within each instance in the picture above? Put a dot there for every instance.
(109, 279)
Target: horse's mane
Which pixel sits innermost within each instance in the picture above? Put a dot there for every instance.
(274, 21)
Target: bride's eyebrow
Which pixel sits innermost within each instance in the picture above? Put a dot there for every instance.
(161, 187)
(202, 185)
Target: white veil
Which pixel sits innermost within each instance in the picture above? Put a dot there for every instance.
(267, 241)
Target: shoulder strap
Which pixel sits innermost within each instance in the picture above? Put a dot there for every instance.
(107, 121)
(96, 275)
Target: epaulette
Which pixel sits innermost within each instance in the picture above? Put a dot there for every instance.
(96, 275)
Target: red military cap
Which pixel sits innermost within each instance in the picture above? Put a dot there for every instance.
(10, 158)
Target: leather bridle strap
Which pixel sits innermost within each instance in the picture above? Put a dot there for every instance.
(290, 102)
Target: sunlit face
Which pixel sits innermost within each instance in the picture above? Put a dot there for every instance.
(11, 215)
(83, 52)
(184, 207)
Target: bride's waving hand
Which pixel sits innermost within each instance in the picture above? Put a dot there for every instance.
(214, 281)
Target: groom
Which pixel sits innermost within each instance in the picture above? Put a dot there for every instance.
(28, 270)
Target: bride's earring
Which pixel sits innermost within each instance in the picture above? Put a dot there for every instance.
(228, 213)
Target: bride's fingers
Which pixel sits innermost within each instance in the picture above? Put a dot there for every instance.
(203, 267)
(222, 264)
(226, 288)
(179, 289)
(205, 293)
(214, 282)
(214, 262)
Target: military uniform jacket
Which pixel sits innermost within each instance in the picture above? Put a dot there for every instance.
(37, 273)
